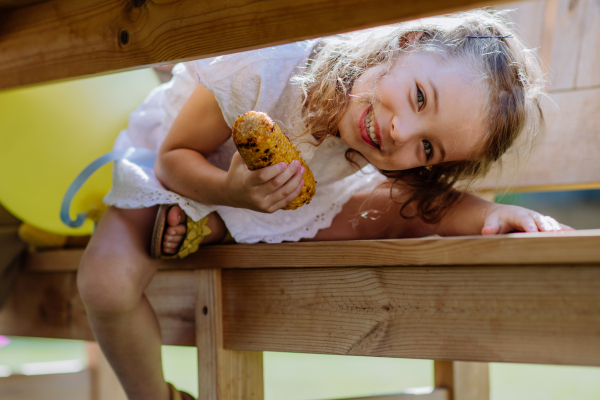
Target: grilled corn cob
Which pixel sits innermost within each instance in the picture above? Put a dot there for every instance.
(261, 143)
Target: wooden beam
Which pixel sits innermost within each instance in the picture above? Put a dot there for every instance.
(519, 249)
(6, 4)
(501, 313)
(11, 259)
(61, 39)
(222, 374)
(530, 314)
(464, 380)
(48, 305)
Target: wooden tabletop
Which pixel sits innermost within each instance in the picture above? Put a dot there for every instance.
(577, 247)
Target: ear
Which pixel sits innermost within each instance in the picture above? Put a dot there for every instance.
(410, 39)
(413, 37)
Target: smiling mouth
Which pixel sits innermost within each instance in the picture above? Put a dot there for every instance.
(370, 127)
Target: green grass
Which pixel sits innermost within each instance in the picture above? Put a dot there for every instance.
(317, 377)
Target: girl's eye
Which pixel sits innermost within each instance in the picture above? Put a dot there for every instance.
(428, 148)
(420, 98)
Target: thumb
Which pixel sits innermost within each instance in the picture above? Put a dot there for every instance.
(237, 161)
(491, 227)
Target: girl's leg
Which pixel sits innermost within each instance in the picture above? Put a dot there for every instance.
(115, 270)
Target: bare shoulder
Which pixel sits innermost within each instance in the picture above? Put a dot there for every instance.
(199, 126)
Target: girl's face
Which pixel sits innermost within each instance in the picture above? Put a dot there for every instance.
(422, 112)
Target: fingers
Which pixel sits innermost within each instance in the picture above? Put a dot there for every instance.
(535, 222)
(260, 176)
(295, 191)
(566, 227)
(275, 176)
(545, 223)
(512, 218)
(283, 179)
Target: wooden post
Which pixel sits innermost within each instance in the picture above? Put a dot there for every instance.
(222, 374)
(464, 380)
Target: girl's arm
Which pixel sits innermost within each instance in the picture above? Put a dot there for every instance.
(475, 216)
(372, 215)
(181, 166)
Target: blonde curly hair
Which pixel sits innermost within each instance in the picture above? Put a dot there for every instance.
(508, 70)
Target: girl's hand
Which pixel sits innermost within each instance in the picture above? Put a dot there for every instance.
(265, 190)
(505, 219)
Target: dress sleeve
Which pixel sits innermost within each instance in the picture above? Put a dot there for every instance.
(177, 91)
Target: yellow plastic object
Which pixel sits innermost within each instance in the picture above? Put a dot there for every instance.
(38, 238)
(49, 133)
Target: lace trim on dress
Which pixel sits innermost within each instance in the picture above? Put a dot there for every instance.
(140, 197)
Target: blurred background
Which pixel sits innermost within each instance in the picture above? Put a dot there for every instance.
(307, 377)
(317, 377)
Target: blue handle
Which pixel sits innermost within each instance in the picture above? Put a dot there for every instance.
(137, 155)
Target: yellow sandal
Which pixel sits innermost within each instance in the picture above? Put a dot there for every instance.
(196, 232)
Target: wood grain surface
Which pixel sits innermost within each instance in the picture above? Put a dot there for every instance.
(222, 374)
(519, 248)
(533, 314)
(48, 305)
(527, 18)
(464, 380)
(565, 155)
(545, 315)
(575, 60)
(61, 39)
(6, 4)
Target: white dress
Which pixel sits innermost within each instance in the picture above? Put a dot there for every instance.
(256, 80)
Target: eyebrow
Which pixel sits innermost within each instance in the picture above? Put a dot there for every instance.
(435, 95)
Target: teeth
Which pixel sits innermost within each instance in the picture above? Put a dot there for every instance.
(370, 125)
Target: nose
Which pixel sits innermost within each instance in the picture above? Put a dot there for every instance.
(401, 131)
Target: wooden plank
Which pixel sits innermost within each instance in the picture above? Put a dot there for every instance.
(566, 155)
(588, 68)
(62, 39)
(75, 386)
(48, 305)
(464, 380)
(11, 260)
(501, 314)
(532, 314)
(222, 374)
(566, 44)
(6, 4)
(435, 394)
(575, 61)
(518, 248)
(7, 219)
(527, 18)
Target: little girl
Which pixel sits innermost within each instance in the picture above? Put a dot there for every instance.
(425, 103)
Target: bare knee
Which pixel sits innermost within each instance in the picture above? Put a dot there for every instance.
(115, 268)
(110, 282)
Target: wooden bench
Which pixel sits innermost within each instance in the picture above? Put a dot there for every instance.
(530, 298)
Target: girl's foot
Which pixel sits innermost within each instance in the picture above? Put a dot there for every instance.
(175, 231)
